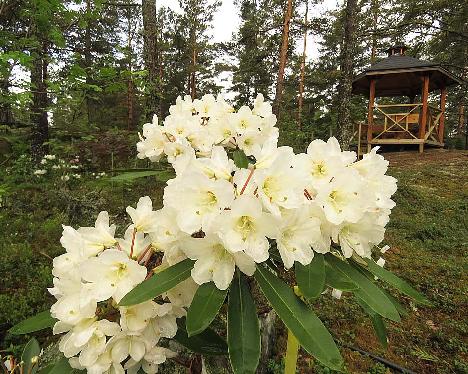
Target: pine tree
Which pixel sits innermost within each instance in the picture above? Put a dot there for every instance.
(198, 18)
(151, 55)
(346, 74)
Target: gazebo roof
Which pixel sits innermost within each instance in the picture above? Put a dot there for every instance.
(400, 62)
(400, 75)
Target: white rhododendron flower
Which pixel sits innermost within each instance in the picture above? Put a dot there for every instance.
(343, 198)
(245, 227)
(112, 274)
(152, 141)
(143, 217)
(297, 233)
(134, 243)
(237, 200)
(99, 237)
(198, 200)
(280, 186)
(214, 262)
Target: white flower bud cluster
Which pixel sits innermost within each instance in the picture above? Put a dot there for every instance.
(304, 202)
(93, 275)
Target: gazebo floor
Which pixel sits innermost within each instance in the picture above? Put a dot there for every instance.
(365, 146)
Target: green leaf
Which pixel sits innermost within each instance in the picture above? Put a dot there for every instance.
(400, 308)
(40, 321)
(338, 281)
(368, 291)
(204, 307)
(240, 159)
(158, 283)
(377, 321)
(31, 352)
(207, 342)
(396, 282)
(243, 328)
(162, 175)
(60, 367)
(311, 278)
(312, 335)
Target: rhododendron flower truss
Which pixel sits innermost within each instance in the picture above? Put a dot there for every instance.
(239, 213)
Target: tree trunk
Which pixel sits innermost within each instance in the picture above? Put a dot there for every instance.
(38, 116)
(283, 57)
(150, 37)
(88, 61)
(303, 61)
(160, 68)
(193, 86)
(130, 84)
(375, 18)
(130, 105)
(6, 116)
(344, 125)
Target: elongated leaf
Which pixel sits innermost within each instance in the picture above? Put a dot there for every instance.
(46, 370)
(368, 291)
(204, 308)
(30, 356)
(60, 367)
(312, 335)
(240, 159)
(396, 282)
(338, 280)
(161, 175)
(40, 321)
(377, 322)
(311, 278)
(400, 308)
(207, 342)
(243, 328)
(158, 283)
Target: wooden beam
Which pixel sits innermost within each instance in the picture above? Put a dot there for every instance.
(398, 141)
(443, 98)
(370, 114)
(431, 142)
(424, 97)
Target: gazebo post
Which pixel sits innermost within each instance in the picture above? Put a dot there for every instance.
(443, 98)
(370, 114)
(422, 125)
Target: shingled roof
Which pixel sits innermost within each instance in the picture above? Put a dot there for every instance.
(400, 62)
(400, 75)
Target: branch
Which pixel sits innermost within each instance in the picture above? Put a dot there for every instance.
(123, 5)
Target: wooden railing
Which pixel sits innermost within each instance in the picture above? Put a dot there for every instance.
(433, 132)
(396, 121)
(400, 124)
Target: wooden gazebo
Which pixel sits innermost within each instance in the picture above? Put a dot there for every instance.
(407, 123)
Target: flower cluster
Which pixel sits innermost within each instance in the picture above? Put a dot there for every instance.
(54, 166)
(225, 215)
(237, 199)
(93, 275)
